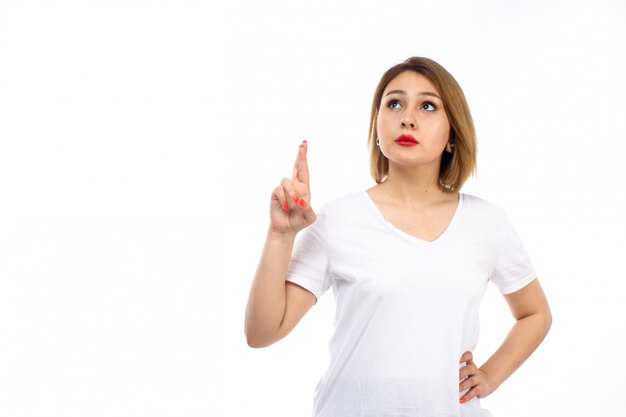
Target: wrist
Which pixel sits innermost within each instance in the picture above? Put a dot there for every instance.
(281, 236)
(493, 382)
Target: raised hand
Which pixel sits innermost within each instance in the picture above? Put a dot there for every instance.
(290, 208)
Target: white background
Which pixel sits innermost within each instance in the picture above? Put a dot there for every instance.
(140, 142)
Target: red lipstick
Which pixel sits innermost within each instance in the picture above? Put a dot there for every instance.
(406, 140)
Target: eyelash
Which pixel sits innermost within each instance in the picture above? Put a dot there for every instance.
(426, 102)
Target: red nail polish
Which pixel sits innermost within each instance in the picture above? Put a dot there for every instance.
(462, 400)
(286, 207)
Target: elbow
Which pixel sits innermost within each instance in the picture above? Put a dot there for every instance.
(548, 320)
(252, 342)
(544, 322)
(250, 339)
(541, 322)
(258, 340)
(257, 343)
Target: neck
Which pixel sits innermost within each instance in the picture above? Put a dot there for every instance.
(415, 186)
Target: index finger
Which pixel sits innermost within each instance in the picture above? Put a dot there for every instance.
(301, 166)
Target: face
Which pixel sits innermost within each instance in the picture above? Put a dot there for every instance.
(412, 111)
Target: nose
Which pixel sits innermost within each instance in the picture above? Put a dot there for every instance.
(407, 120)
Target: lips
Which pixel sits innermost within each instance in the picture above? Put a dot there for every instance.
(406, 139)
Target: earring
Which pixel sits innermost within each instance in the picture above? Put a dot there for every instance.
(377, 141)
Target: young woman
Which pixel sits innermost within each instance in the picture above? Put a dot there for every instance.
(408, 259)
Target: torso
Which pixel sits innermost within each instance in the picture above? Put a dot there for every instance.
(426, 223)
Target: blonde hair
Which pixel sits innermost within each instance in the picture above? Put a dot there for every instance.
(456, 167)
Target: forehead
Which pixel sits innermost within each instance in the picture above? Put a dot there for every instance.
(411, 82)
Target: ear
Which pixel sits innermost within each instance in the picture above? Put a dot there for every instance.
(450, 143)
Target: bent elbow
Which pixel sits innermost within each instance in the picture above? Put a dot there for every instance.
(546, 323)
(253, 343)
(258, 343)
(548, 320)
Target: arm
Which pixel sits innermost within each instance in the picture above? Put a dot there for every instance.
(531, 311)
(275, 306)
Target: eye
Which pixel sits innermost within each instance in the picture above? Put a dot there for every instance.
(390, 102)
(428, 103)
(432, 108)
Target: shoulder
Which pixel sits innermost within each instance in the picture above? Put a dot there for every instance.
(482, 210)
(474, 202)
(344, 210)
(339, 204)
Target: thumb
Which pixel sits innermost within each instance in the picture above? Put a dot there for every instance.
(307, 210)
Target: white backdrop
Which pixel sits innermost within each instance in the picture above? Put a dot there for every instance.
(140, 142)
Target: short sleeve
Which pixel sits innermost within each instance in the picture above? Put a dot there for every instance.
(513, 269)
(309, 263)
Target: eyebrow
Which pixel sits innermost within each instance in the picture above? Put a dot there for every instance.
(423, 93)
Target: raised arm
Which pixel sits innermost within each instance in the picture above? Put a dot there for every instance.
(275, 305)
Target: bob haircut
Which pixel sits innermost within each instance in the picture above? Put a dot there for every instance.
(456, 167)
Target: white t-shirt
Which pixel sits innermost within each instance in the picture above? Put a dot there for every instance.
(406, 308)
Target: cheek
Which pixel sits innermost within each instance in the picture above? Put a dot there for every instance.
(380, 124)
(383, 120)
(443, 127)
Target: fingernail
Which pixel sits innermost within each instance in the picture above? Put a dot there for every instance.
(295, 198)
(302, 202)
(462, 400)
(286, 207)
